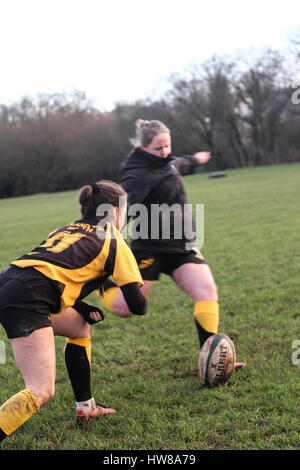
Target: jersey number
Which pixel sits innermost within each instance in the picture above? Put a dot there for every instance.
(61, 241)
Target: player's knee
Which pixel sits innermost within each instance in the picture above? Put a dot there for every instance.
(119, 307)
(121, 311)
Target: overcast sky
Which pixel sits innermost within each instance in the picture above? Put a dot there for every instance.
(123, 50)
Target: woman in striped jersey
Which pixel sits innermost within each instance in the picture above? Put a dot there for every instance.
(41, 295)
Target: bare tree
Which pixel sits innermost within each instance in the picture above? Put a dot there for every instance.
(262, 104)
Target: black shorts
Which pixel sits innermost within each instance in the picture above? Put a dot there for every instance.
(27, 298)
(151, 264)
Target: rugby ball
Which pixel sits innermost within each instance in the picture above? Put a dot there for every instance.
(216, 359)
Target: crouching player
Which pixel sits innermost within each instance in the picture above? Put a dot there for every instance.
(41, 295)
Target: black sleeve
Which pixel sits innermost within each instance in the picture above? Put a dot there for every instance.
(136, 188)
(134, 298)
(138, 185)
(186, 165)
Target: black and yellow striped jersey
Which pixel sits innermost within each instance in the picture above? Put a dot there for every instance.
(80, 256)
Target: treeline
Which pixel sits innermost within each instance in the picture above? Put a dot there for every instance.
(242, 111)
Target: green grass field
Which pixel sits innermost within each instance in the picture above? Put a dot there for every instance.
(146, 367)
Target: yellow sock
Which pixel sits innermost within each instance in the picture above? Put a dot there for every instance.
(207, 315)
(108, 297)
(85, 342)
(18, 409)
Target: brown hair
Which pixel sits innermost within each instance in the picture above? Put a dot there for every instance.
(146, 131)
(103, 192)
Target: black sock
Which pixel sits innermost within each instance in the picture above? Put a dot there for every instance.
(79, 371)
(202, 334)
(2, 435)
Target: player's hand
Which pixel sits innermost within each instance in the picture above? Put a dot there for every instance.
(202, 157)
(90, 313)
(96, 317)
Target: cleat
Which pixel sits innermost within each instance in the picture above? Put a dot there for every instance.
(239, 366)
(98, 411)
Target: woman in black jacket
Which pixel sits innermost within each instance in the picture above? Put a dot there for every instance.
(152, 178)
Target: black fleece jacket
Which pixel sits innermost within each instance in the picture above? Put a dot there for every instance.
(152, 180)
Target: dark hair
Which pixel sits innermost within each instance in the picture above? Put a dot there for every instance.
(103, 192)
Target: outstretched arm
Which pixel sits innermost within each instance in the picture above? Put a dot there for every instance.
(202, 157)
(187, 165)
